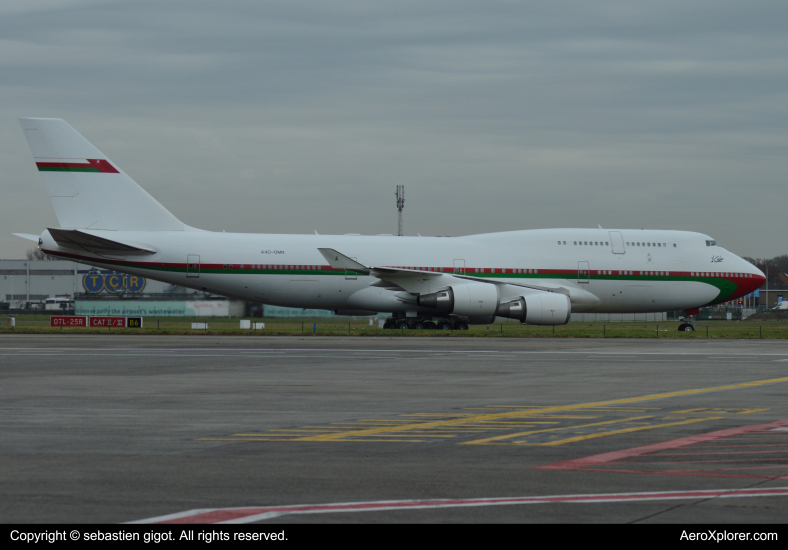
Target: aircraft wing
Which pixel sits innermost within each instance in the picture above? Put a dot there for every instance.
(74, 238)
(541, 287)
(418, 281)
(415, 281)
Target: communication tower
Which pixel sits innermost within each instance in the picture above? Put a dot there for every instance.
(400, 205)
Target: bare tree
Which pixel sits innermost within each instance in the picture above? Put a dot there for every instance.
(776, 268)
(38, 254)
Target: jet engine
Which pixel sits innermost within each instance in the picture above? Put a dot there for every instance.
(477, 300)
(543, 308)
(481, 303)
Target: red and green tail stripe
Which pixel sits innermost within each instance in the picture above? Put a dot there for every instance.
(93, 165)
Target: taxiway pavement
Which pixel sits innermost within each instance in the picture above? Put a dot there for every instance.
(100, 428)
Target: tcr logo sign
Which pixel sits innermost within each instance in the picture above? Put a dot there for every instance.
(95, 282)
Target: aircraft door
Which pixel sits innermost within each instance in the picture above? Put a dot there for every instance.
(617, 241)
(193, 266)
(583, 272)
(459, 266)
(351, 275)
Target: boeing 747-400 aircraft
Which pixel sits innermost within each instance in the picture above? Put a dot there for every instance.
(534, 276)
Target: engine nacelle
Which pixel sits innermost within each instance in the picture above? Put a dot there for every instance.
(543, 308)
(475, 300)
(480, 302)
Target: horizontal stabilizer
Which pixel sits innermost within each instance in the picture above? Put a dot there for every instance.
(74, 238)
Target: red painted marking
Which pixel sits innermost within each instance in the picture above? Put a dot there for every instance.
(727, 461)
(67, 321)
(723, 453)
(605, 458)
(739, 446)
(691, 473)
(259, 513)
(770, 467)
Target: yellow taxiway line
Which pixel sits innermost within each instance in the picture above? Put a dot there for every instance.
(481, 418)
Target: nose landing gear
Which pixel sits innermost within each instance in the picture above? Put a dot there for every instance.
(687, 323)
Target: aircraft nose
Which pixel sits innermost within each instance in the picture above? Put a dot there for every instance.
(757, 278)
(755, 272)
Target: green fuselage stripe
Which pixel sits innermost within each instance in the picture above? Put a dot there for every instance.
(65, 169)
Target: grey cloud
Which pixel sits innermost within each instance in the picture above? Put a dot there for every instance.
(294, 116)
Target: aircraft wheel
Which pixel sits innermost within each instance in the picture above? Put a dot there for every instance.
(445, 326)
(419, 326)
(462, 326)
(686, 327)
(403, 325)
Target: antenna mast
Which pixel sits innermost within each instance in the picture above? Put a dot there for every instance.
(400, 205)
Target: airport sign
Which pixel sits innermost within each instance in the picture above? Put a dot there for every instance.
(93, 321)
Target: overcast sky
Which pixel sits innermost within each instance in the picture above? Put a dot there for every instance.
(296, 116)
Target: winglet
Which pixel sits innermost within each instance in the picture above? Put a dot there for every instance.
(27, 236)
(337, 260)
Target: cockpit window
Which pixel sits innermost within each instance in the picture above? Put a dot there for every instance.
(711, 243)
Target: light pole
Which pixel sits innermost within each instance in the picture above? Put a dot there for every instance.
(400, 194)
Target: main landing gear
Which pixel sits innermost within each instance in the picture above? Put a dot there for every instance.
(424, 323)
(687, 324)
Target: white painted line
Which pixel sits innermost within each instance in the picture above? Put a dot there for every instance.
(251, 514)
(436, 351)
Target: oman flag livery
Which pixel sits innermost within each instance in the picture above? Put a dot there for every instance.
(89, 165)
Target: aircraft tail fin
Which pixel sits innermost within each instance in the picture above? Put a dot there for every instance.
(87, 190)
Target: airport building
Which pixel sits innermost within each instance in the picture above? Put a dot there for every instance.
(58, 285)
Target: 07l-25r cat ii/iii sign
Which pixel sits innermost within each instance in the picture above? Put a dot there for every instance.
(537, 276)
